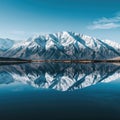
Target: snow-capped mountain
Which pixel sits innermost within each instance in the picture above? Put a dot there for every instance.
(63, 45)
(5, 44)
(59, 76)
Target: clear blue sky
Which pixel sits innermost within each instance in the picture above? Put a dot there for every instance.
(20, 19)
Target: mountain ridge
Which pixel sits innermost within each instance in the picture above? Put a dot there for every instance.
(63, 45)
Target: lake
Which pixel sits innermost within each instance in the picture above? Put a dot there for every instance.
(60, 91)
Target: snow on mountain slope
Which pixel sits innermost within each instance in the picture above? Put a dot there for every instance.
(113, 44)
(64, 45)
(5, 44)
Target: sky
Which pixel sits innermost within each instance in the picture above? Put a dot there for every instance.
(21, 19)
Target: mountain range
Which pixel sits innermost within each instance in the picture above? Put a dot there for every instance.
(61, 45)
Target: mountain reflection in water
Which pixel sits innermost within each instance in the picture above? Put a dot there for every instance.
(59, 76)
(35, 91)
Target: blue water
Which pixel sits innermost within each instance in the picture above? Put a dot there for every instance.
(20, 100)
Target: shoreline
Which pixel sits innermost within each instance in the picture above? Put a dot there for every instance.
(59, 61)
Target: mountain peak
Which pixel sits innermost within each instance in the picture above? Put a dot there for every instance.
(6, 44)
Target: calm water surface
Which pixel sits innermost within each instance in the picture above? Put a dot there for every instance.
(60, 92)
